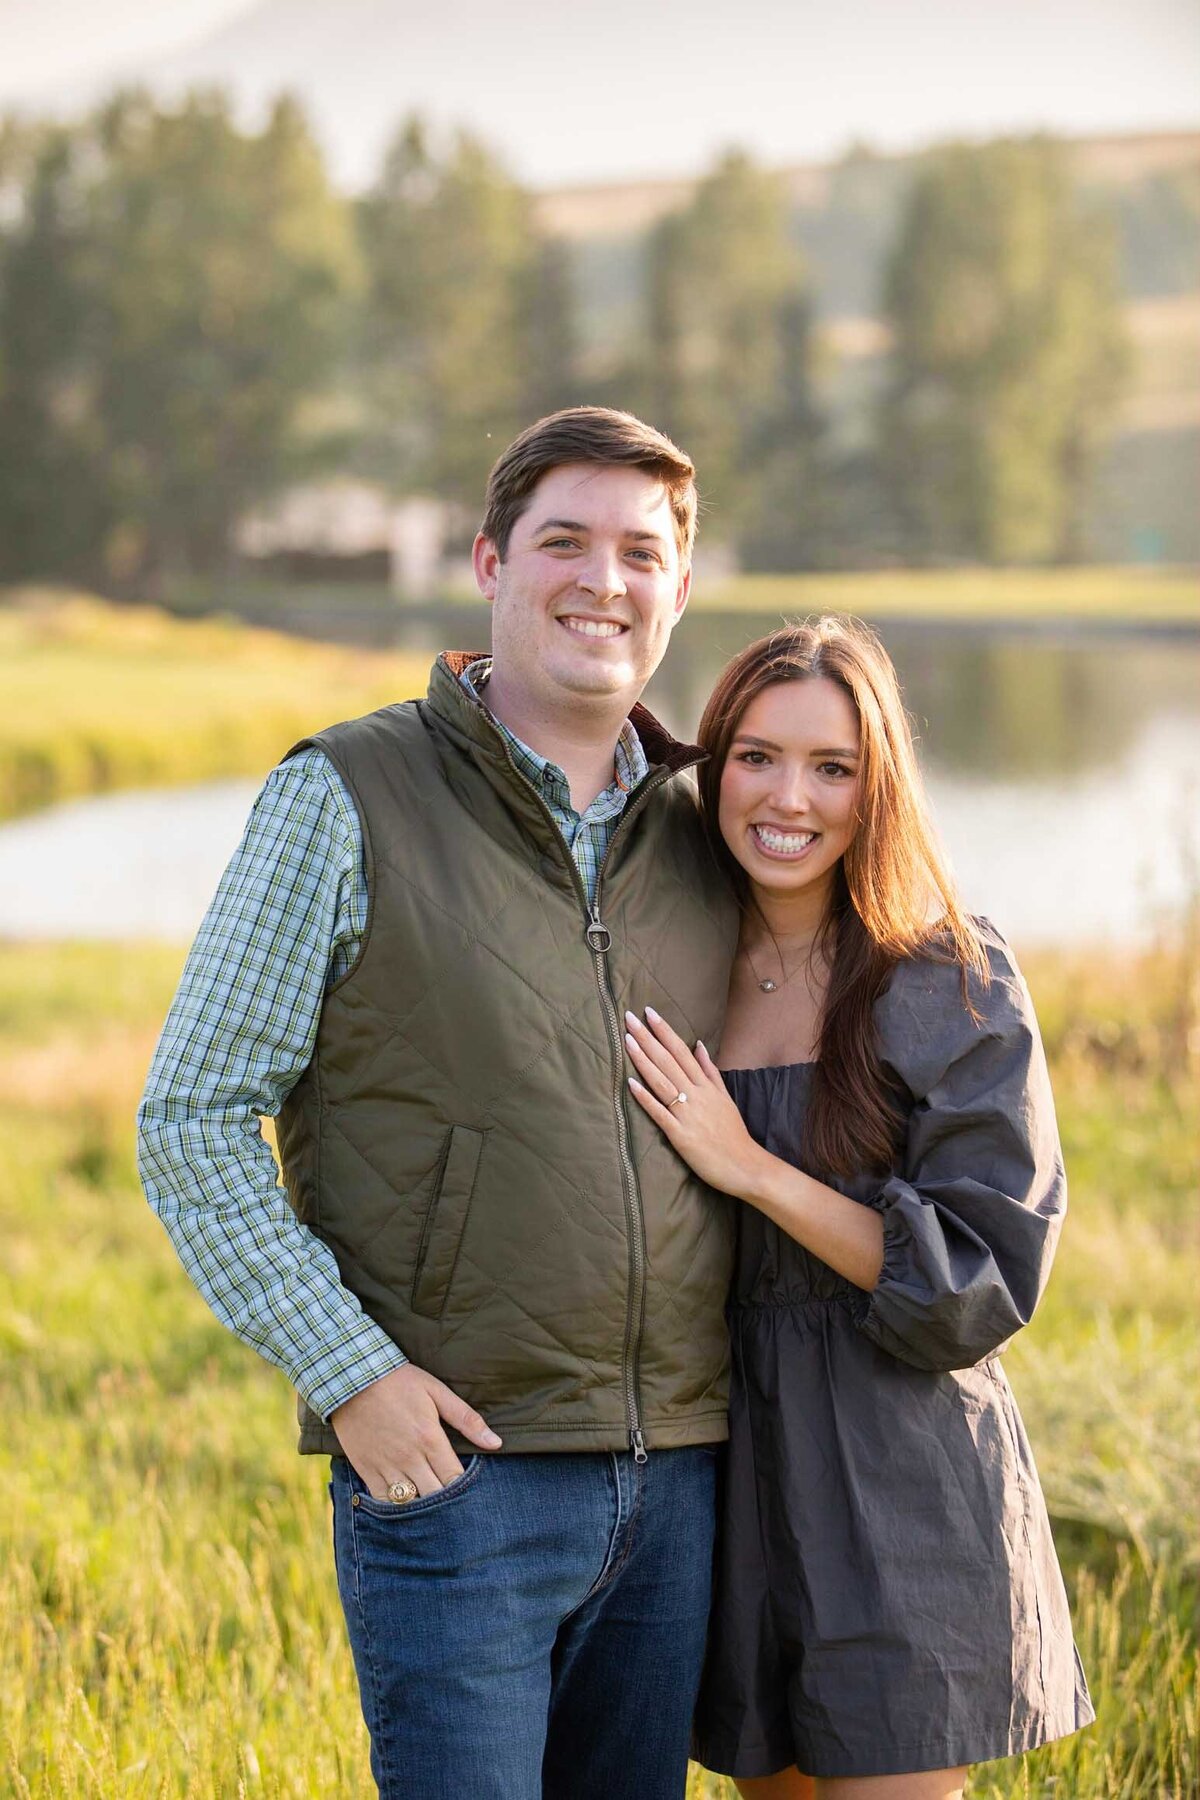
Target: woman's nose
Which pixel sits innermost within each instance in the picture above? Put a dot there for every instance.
(790, 791)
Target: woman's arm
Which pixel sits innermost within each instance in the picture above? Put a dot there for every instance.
(972, 1214)
(954, 1248)
(708, 1132)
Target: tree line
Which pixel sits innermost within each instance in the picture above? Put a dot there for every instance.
(191, 319)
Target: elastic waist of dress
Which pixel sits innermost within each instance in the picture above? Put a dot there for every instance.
(811, 1308)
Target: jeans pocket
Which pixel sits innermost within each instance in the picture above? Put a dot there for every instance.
(363, 1501)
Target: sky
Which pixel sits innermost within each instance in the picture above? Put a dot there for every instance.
(70, 40)
(643, 87)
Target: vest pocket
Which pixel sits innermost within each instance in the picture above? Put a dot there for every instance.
(445, 1218)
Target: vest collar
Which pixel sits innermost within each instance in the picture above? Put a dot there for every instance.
(467, 717)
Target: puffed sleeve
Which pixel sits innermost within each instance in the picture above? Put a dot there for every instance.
(972, 1214)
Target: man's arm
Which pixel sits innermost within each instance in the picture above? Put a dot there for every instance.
(286, 921)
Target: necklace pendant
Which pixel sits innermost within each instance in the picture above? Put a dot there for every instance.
(768, 986)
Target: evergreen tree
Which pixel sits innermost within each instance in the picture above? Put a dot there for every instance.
(468, 330)
(54, 507)
(1007, 355)
(170, 300)
(727, 363)
(221, 261)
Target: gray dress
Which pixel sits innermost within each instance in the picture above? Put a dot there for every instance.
(888, 1598)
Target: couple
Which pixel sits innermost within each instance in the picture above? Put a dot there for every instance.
(555, 1058)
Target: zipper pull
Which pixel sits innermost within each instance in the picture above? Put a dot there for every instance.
(597, 934)
(640, 1453)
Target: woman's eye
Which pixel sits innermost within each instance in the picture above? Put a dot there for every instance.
(836, 770)
(755, 758)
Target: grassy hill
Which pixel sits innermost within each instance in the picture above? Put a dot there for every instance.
(845, 213)
(100, 696)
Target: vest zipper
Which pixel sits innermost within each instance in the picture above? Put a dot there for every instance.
(598, 938)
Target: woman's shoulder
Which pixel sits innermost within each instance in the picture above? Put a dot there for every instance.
(935, 1008)
(937, 968)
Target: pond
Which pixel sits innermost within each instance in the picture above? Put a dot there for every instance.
(1064, 775)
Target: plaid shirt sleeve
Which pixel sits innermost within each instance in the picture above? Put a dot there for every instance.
(286, 921)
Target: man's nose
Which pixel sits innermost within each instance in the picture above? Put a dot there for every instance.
(602, 576)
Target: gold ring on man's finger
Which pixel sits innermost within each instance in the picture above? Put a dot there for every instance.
(402, 1491)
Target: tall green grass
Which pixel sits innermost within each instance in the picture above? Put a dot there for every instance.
(99, 696)
(171, 1629)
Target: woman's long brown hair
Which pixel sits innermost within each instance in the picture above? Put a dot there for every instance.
(893, 896)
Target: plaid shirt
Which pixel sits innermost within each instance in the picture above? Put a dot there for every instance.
(286, 921)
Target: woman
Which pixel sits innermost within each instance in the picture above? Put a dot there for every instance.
(888, 1608)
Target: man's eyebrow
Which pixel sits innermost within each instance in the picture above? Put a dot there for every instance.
(639, 537)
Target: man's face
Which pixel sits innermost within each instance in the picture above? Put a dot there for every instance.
(586, 597)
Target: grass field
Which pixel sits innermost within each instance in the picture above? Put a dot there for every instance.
(98, 696)
(171, 1627)
(1127, 596)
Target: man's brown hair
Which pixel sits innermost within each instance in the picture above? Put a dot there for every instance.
(588, 434)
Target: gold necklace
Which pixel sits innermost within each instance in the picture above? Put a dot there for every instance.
(766, 984)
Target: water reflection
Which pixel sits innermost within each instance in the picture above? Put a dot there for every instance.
(996, 705)
(1028, 701)
(131, 865)
(1090, 858)
(1065, 778)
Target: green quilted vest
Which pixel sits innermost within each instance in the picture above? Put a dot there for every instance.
(462, 1138)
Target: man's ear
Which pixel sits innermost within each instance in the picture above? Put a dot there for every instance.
(485, 560)
(683, 594)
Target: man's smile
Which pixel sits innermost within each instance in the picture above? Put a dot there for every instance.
(593, 628)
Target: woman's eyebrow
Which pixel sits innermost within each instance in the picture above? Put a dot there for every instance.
(766, 744)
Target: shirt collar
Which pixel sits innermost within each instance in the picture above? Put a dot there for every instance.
(630, 765)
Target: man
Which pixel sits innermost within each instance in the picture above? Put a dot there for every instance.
(419, 959)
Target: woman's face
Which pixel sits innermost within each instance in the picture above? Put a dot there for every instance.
(790, 783)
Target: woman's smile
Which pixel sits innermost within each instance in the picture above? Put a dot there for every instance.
(789, 788)
(783, 845)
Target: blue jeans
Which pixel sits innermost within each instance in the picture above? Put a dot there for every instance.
(533, 1631)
